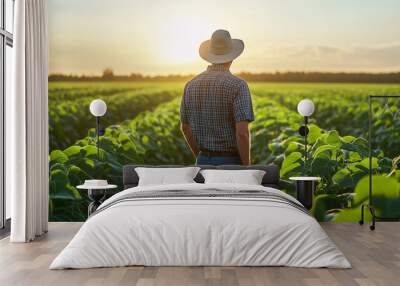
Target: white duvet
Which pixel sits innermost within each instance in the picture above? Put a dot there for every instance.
(200, 231)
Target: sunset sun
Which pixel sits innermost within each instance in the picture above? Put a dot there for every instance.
(181, 41)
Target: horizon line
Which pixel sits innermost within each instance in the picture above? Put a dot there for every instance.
(241, 72)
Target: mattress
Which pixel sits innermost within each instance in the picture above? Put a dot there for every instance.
(201, 225)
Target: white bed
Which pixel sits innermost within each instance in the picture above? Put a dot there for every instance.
(203, 231)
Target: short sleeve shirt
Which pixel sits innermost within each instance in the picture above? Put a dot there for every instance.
(212, 103)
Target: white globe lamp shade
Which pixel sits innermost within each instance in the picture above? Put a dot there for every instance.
(306, 107)
(98, 107)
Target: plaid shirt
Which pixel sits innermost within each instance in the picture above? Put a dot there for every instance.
(212, 103)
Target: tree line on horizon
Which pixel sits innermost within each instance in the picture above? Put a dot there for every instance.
(327, 77)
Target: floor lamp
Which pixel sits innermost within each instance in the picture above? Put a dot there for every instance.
(305, 185)
(98, 108)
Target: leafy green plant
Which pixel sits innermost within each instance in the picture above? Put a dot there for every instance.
(386, 199)
(343, 164)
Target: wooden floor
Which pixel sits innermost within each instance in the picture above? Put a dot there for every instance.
(375, 257)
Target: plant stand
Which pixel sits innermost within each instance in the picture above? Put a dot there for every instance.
(372, 211)
(370, 205)
(305, 188)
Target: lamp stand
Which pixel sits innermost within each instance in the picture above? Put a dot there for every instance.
(305, 140)
(99, 132)
(370, 205)
(98, 137)
(303, 131)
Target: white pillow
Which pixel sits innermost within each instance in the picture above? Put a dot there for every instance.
(248, 177)
(166, 176)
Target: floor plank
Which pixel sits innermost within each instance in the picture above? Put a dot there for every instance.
(375, 257)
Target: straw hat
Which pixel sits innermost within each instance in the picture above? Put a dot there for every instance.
(221, 48)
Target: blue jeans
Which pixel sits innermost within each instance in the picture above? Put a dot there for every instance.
(218, 160)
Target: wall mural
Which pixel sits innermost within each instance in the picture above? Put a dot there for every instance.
(143, 98)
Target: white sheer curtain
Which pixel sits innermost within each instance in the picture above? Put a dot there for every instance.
(27, 143)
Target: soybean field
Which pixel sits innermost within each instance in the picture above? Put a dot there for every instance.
(142, 127)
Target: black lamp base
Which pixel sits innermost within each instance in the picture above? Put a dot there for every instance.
(305, 192)
(96, 196)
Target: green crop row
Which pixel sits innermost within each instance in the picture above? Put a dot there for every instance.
(71, 120)
(64, 91)
(345, 108)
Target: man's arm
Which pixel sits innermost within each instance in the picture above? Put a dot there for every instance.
(243, 113)
(187, 132)
(243, 141)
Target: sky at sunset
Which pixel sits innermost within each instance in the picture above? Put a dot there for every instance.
(162, 37)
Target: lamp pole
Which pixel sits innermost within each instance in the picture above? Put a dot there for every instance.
(305, 141)
(306, 109)
(98, 137)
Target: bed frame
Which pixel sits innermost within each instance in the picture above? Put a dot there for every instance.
(270, 179)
